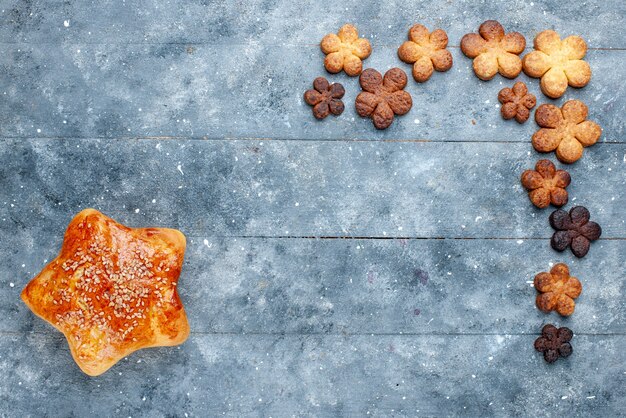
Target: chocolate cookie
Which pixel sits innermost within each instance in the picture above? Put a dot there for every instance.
(325, 98)
(383, 97)
(574, 230)
(516, 102)
(554, 343)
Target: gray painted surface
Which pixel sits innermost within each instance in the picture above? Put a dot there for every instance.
(190, 115)
(364, 286)
(303, 22)
(322, 375)
(292, 188)
(207, 91)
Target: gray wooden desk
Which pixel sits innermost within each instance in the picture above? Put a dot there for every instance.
(331, 269)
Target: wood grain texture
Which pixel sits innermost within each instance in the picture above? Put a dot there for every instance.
(180, 91)
(301, 23)
(301, 189)
(312, 376)
(332, 270)
(362, 286)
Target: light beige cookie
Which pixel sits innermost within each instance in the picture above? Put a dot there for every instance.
(494, 51)
(426, 51)
(558, 63)
(345, 51)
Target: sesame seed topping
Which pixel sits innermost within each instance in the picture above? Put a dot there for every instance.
(104, 292)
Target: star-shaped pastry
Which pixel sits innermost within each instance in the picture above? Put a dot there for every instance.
(112, 290)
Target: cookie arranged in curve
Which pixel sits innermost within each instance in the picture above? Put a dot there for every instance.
(566, 130)
(574, 230)
(345, 51)
(426, 51)
(325, 98)
(554, 343)
(558, 63)
(494, 51)
(517, 102)
(546, 184)
(557, 290)
(383, 97)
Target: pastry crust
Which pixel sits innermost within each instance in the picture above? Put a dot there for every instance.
(558, 63)
(112, 290)
(345, 51)
(494, 51)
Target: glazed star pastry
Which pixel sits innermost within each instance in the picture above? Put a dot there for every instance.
(112, 290)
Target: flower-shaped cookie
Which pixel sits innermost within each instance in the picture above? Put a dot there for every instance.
(325, 98)
(554, 342)
(573, 230)
(345, 50)
(494, 51)
(426, 51)
(558, 63)
(557, 290)
(516, 102)
(565, 130)
(381, 98)
(546, 184)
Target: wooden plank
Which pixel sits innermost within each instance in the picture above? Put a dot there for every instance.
(302, 22)
(424, 309)
(423, 287)
(128, 91)
(321, 376)
(300, 189)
